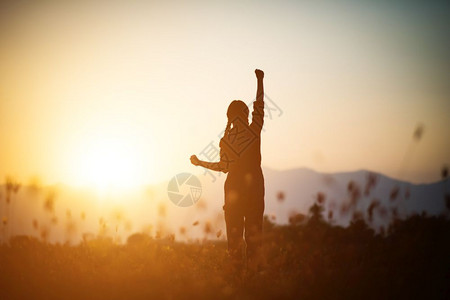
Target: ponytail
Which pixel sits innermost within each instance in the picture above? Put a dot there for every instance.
(227, 128)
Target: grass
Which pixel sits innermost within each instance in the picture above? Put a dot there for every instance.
(307, 260)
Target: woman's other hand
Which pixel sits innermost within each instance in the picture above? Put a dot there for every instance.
(194, 160)
(259, 74)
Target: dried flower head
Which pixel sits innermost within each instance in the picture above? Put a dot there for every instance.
(320, 197)
(418, 132)
(280, 196)
(444, 172)
(394, 193)
(207, 229)
(182, 230)
(161, 210)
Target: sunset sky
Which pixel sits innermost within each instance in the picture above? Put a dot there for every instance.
(123, 92)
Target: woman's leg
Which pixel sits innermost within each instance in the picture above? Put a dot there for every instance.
(254, 215)
(253, 235)
(234, 219)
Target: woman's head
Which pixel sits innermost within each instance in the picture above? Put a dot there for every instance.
(237, 113)
(237, 110)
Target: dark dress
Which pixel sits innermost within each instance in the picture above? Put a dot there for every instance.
(244, 186)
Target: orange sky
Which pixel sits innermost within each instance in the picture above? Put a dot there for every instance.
(124, 93)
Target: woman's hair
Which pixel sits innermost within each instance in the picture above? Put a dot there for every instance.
(236, 110)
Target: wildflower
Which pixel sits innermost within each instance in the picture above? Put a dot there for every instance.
(182, 230)
(418, 132)
(354, 192)
(350, 186)
(44, 234)
(35, 224)
(171, 238)
(162, 210)
(444, 172)
(12, 185)
(49, 204)
(394, 211)
(207, 228)
(407, 193)
(201, 205)
(370, 183)
(320, 197)
(296, 218)
(394, 193)
(374, 204)
(280, 196)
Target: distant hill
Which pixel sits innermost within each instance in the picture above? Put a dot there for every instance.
(299, 188)
(288, 192)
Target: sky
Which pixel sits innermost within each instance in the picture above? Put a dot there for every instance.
(124, 92)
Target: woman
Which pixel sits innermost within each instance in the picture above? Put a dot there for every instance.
(240, 157)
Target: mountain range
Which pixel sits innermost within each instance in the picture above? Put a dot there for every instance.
(294, 191)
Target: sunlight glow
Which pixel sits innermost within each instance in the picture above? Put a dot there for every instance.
(111, 164)
(157, 78)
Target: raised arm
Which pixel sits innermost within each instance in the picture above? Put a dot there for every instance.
(258, 105)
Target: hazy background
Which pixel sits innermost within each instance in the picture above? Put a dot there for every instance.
(123, 92)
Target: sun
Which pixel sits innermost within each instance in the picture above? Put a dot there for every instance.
(111, 163)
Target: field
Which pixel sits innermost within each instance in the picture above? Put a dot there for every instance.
(307, 259)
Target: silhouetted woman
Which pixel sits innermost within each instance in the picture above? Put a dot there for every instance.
(240, 157)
